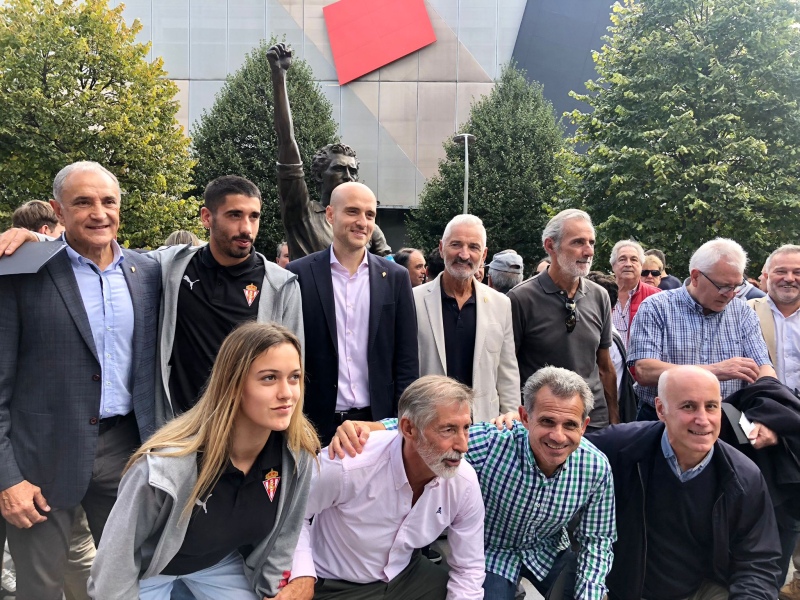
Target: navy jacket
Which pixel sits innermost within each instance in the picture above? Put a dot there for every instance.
(50, 382)
(746, 546)
(392, 352)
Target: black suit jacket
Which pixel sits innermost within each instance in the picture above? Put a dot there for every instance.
(50, 382)
(392, 351)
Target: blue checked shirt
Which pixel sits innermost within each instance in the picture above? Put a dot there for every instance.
(672, 328)
(527, 513)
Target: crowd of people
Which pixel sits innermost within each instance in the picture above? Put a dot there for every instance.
(200, 421)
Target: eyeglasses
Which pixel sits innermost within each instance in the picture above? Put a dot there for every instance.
(724, 289)
(653, 272)
(572, 317)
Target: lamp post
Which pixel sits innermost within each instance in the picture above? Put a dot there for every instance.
(464, 139)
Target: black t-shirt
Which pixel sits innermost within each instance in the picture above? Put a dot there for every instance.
(680, 535)
(459, 336)
(213, 300)
(238, 514)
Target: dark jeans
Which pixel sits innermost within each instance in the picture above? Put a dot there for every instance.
(496, 587)
(180, 591)
(646, 412)
(41, 552)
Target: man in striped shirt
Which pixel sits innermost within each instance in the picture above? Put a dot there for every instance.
(535, 477)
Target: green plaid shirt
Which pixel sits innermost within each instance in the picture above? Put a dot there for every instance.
(527, 513)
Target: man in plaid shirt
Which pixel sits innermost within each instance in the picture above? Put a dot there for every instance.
(699, 324)
(535, 477)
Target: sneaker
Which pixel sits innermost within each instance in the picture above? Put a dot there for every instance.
(9, 581)
(436, 558)
(791, 591)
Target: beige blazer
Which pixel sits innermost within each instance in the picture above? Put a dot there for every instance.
(767, 320)
(495, 375)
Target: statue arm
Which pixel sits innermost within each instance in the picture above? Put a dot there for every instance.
(280, 59)
(378, 244)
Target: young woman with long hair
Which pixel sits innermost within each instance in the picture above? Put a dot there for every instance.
(217, 496)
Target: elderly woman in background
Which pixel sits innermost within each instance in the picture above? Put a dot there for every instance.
(652, 270)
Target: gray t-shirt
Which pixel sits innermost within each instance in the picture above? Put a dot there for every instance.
(539, 313)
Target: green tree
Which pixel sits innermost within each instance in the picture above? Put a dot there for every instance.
(237, 137)
(74, 85)
(514, 167)
(695, 131)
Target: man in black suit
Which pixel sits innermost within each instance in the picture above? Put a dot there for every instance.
(77, 376)
(360, 322)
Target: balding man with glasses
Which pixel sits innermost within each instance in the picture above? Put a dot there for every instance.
(699, 324)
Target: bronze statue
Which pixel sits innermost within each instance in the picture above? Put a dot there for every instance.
(307, 229)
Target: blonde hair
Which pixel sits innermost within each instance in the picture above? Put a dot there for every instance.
(208, 427)
(651, 259)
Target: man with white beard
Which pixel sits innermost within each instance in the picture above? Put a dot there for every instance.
(371, 511)
(562, 319)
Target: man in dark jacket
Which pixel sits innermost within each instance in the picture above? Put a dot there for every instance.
(694, 518)
(361, 349)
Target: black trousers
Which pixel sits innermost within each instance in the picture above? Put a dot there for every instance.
(40, 553)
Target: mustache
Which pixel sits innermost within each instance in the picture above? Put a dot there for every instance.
(245, 238)
(461, 261)
(452, 455)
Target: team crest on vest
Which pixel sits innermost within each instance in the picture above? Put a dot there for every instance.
(271, 482)
(250, 292)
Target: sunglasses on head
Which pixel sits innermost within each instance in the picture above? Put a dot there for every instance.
(572, 317)
(653, 272)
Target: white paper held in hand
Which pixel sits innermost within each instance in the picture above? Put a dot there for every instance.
(746, 426)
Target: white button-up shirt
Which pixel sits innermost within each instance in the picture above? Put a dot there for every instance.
(365, 527)
(787, 346)
(351, 299)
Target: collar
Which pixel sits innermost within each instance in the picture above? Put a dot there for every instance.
(260, 464)
(78, 260)
(446, 296)
(209, 261)
(549, 286)
(399, 468)
(364, 262)
(669, 454)
(777, 311)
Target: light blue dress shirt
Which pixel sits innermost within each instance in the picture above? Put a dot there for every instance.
(108, 305)
(672, 461)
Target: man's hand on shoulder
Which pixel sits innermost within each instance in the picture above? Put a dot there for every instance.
(13, 238)
(506, 421)
(301, 588)
(350, 438)
(18, 505)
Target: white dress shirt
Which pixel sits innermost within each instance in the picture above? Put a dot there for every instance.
(351, 299)
(787, 346)
(365, 527)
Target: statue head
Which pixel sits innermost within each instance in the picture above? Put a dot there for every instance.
(332, 166)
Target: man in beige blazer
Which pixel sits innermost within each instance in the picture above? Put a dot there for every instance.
(464, 327)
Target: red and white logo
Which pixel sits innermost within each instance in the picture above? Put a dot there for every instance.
(250, 292)
(271, 482)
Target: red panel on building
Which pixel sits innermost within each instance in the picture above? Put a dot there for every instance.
(368, 34)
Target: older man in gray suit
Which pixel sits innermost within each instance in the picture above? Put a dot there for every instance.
(65, 437)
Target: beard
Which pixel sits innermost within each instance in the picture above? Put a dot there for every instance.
(461, 274)
(573, 268)
(229, 248)
(435, 459)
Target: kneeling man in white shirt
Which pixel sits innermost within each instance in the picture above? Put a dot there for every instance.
(370, 512)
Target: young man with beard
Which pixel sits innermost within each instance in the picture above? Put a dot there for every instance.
(401, 492)
(562, 319)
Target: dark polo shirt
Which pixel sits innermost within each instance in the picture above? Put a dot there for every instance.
(213, 300)
(539, 312)
(459, 326)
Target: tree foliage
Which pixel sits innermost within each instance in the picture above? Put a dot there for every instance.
(74, 85)
(514, 167)
(695, 131)
(237, 136)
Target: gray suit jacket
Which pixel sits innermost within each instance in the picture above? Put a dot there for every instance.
(50, 380)
(495, 375)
